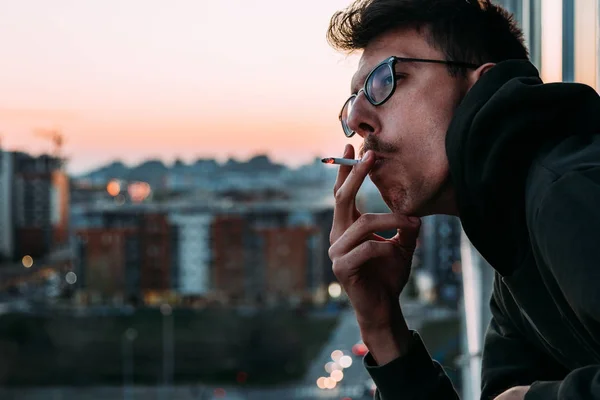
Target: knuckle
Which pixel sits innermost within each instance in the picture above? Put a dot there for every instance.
(366, 219)
(335, 267)
(333, 237)
(331, 254)
(370, 246)
(339, 196)
(339, 270)
(336, 187)
(373, 249)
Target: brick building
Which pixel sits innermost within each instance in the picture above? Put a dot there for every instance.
(260, 258)
(126, 256)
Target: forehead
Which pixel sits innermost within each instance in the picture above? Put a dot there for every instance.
(408, 43)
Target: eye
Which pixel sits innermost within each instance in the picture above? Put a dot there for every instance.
(388, 80)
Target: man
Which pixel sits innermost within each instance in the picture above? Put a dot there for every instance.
(455, 120)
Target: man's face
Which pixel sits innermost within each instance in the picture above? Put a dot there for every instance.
(407, 133)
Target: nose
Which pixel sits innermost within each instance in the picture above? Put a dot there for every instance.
(361, 118)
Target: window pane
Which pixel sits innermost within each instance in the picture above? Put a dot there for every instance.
(597, 45)
(586, 31)
(533, 31)
(552, 40)
(568, 61)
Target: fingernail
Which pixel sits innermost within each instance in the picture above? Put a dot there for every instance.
(367, 156)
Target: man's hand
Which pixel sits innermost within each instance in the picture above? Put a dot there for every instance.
(515, 393)
(371, 269)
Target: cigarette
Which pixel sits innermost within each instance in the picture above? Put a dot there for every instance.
(340, 161)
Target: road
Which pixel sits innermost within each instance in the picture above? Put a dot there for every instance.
(342, 338)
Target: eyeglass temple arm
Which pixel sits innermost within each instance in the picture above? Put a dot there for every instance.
(447, 62)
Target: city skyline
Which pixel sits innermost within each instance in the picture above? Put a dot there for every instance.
(129, 81)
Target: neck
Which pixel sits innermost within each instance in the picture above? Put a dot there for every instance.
(444, 202)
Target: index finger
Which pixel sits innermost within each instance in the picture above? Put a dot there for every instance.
(345, 212)
(338, 227)
(344, 170)
(346, 194)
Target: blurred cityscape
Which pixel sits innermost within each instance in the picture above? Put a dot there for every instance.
(207, 274)
(207, 280)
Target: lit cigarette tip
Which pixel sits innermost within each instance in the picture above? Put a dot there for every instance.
(340, 161)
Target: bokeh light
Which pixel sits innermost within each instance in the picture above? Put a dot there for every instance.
(27, 261)
(337, 375)
(330, 383)
(139, 191)
(345, 361)
(336, 355)
(71, 277)
(113, 188)
(360, 349)
(329, 367)
(335, 290)
(120, 199)
(321, 382)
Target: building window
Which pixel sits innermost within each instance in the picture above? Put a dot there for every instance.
(106, 239)
(153, 251)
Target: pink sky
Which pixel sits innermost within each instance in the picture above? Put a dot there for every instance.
(149, 78)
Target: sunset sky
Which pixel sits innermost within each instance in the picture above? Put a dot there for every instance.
(137, 79)
(188, 78)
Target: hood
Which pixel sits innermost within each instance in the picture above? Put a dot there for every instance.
(495, 134)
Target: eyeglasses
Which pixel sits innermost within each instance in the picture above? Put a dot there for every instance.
(381, 84)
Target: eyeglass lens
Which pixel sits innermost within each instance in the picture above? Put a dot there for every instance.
(378, 88)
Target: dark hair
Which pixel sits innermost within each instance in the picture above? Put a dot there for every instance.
(464, 30)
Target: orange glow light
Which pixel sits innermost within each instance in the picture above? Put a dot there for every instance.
(139, 191)
(113, 188)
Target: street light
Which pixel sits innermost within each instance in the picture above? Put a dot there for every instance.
(128, 337)
(167, 317)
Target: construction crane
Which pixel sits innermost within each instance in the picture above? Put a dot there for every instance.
(57, 138)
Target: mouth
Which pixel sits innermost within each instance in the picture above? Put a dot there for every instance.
(377, 166)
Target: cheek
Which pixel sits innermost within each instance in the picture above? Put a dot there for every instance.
(418, 120)
(421, 147)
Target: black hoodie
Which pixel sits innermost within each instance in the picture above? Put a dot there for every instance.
(525, 162)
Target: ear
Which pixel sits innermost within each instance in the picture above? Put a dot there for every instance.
(474, 75)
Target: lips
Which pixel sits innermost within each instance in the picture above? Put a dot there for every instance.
(377, 165)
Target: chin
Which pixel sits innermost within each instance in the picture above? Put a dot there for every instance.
(402, 201)
(397, 199)
(399, 196)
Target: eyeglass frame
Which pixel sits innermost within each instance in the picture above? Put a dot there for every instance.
(391, 62)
